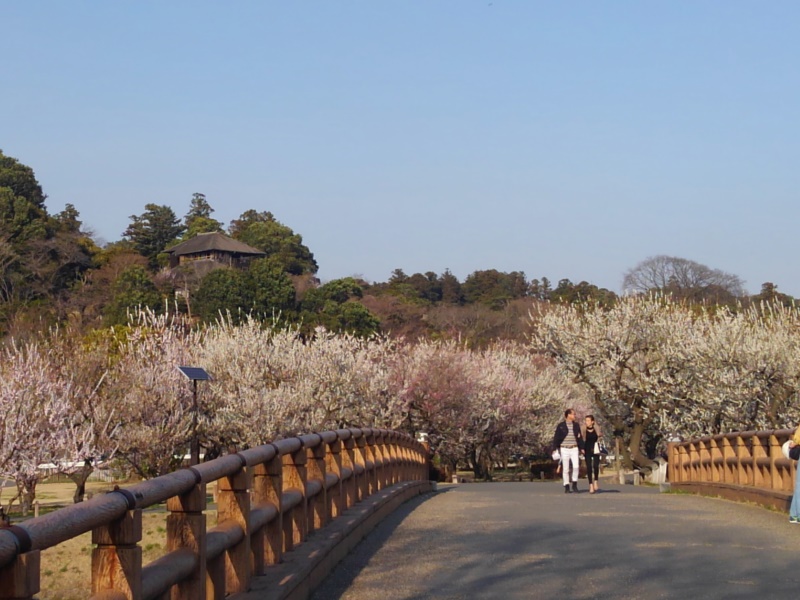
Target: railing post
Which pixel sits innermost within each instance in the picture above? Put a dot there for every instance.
(689, 471)
(333, 465)
(760, 450)
(294, 478)
(390, 453)
(775, 474)
(400, 459)
(400, 450)
(267, 487)
(233, 504)
(744, 454)
(715, 453)
(672, 461)
(422, 457)
(19, 580)
(370, 461)
(315, 470)
(729, 474)
(360, 460)
(388, 458)
(413, 461)
(117, 559)
(704, 455)
(350, 487)
(686, 461)
(377, 461)
(186, 528)
(404, 453)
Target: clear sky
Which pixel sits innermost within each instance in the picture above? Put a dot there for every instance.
(562, 139)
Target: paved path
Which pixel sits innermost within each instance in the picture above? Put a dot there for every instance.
(530, 540)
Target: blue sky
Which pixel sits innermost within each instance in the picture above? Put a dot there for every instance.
(562, 139)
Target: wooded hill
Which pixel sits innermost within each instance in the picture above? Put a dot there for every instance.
(52, 272)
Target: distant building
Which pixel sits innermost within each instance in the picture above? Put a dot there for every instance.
(213, 249)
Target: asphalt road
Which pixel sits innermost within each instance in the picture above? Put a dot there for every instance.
(530, 540)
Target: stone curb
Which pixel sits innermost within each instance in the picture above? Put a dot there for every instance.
(774, 499)
(305, 567)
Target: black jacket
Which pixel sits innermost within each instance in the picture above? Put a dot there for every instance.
(561, 433)
(794, 452)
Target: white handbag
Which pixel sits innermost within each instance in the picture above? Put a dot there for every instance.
(785, 450)
(556, 455)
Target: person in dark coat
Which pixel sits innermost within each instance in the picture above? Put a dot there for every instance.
(569, 442)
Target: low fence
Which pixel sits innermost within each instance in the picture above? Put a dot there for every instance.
(269, 499)
(740, 466)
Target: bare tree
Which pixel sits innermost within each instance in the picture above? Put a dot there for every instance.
(683, 278)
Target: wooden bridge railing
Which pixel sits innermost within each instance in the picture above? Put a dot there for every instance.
(269, 499)
(750, 465)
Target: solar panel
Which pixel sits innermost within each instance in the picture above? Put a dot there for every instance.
(195, 373)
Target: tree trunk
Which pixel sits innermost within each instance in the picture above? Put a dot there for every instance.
(10, 504)
(473, 461)
(482, 464)
(638, 458)
(480, 468)
(624, 452)
(28, 494)
(79, 478)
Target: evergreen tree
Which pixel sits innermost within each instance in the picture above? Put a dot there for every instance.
(272, 290)
(198, 219)
(223, 291)
(132, 289)
(334, 306)
(153, 231)
(261, 230)
(493, 288)
(41, 257)
(451, 288)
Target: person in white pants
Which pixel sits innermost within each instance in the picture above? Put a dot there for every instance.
(570, 456)
(569, 441)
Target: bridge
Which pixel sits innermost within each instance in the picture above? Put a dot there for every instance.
(530, 540)
(288, 512)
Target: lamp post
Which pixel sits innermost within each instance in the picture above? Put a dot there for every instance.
(194, 374)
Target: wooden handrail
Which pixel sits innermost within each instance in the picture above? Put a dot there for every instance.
(161, 574)
(269, 499)
(751, 459)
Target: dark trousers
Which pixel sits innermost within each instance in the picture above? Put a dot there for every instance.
(593, 467)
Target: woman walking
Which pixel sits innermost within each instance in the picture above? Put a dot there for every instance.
(592, 436)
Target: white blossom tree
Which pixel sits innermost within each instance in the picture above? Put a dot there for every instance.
(253, 366)
(153, 402)
(34, 404)
(658, 368)
(87, 435)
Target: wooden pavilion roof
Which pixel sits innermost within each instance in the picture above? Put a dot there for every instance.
(206, 242)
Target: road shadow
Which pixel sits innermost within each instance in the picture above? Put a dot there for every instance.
(342, 577)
